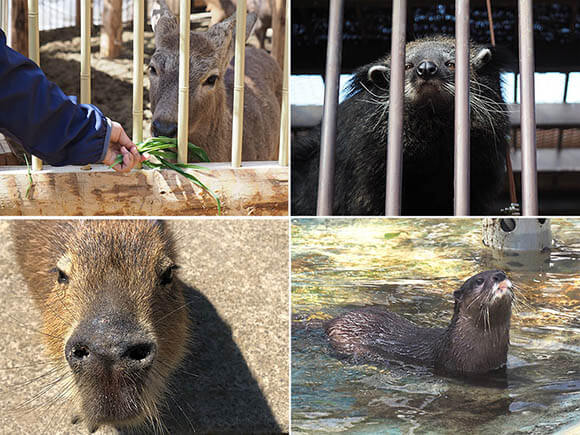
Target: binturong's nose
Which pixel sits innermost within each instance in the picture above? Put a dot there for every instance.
(499, 276)
(162, 128)
(426, 69)
(110, 343)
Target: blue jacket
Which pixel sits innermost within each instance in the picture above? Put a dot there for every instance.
(47, 123)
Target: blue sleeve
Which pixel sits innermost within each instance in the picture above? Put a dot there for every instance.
(43, 119)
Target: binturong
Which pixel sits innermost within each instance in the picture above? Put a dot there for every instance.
(114, 318)
(428, 136)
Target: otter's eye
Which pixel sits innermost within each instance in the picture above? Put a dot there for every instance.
(450, 64)
(167, 276)
(210, 81)
(62, 277)
(408, 66)
(152, 70)
(479, 281)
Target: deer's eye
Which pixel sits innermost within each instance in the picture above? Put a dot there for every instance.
(210, 81)
(152, 70)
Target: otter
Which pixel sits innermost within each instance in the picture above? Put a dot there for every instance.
(475, 342)
(428, 136)
(114, 316)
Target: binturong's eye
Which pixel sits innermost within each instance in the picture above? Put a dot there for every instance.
(450, 64)
(479, 281)
(167, 275)
(210, 81)
(408, 66)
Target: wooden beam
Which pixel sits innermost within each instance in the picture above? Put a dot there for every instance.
(19, 31)
(259, 188)
(279, 21)
(112, 29)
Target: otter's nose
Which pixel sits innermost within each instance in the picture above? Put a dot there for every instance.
(498, 276)
(110, 343)
(162, 128)
(426, 69)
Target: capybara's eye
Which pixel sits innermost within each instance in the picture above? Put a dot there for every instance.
(167, 276)
(211, 80)
(479, 281)
(62, 277)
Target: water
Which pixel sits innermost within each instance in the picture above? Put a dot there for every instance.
(412, 266)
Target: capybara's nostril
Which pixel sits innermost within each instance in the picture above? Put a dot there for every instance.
(141, 354)
(162, 128)
(499, 276)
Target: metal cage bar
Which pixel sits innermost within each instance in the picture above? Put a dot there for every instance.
(528, 114)
(462, 119)
(328, 132)
(396, 104)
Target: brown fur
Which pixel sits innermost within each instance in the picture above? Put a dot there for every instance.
(210, 106)
(111, 265)
(220, 9)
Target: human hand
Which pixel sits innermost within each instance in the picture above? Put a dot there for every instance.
(119, 143)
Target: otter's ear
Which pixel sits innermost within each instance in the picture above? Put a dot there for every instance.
(457, 294)
(379, 75)
(482, 58)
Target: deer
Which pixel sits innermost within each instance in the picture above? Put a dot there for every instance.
(211, 85)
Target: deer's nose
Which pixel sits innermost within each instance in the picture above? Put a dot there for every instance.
(162, 128)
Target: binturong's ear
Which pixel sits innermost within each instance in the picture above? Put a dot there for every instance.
(481, 59)
(379, 75)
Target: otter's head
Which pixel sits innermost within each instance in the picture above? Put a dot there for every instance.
(430, 72)
(113, 314)
(486, 299)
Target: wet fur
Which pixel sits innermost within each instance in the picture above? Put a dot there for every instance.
(428, 145)
(476, 340)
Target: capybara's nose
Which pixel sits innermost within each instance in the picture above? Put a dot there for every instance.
(426, 69)
(499, 276)
(110, 343)
(162, 128)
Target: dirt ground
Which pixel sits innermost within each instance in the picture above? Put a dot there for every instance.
(238, 272)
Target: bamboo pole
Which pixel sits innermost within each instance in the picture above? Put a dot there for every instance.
(138, 29)
(34, 53)
(85, 52)
(183, 103)
(284, 118)
(238, 110)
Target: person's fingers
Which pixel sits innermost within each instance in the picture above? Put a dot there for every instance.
(128, 161)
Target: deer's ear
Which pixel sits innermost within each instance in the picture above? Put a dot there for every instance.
(163, 21)
(223, 35)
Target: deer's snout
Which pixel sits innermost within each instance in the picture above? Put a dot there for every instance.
(162, 128)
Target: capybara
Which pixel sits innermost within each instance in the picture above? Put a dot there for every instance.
(428, 136)
(114, 316)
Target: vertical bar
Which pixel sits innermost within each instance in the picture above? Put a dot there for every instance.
(34, 53)
(238, 109)
(284, 118)
(527, 112)
(396, 103)
(85, 52)
(564, 98)
(462, 119)
(183, 103)
(328, 134)
(138, 29)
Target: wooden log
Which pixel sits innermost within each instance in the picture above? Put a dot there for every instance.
(260, 188)
(19, 31)
(279, 30)
(112, 29)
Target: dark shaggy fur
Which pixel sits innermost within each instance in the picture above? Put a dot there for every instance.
(428, 142)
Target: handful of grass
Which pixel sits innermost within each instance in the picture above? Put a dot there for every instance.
(161, 147)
